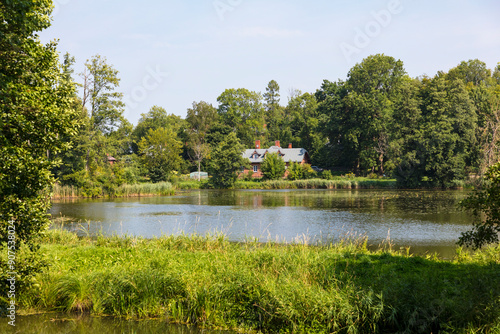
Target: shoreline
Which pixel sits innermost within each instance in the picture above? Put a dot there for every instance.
(211, 282)
(168, 189)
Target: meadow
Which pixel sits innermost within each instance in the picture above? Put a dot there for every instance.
(268, 287)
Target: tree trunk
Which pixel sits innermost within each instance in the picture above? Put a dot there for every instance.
(199, 170)
(87, 160)
(381, 159)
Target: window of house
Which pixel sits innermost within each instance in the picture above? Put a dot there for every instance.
(255, 168)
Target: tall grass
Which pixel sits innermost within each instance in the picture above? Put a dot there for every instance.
(340, 183)
(166, 188)
(191, 184)
(125, 190)
(209, 281)
(60, 191)
(145, 189)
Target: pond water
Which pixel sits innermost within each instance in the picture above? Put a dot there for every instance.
(427, 221)
(65, 323)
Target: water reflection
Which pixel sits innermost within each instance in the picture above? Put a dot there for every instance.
(64, 323)
(421, 219)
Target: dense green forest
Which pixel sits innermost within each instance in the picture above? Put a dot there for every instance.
(425, 131)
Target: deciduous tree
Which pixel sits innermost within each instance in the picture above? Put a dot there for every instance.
(448, 131)
(485, 205)
(104, 109)
(161, 153)
(243, 111)
(305, 123)
(200, 118)
(226, 160)
(157, 117)
(273, 166)
(36, 115)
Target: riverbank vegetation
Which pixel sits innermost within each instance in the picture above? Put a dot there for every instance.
(185, 183)
(124, 190)
(339, 183)
(269, 287)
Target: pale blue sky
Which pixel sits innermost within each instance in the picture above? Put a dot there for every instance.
(170, 53)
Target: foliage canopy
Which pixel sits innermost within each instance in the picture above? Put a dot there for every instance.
(36, 115)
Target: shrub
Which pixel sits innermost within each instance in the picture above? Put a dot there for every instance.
(327, 175)
(248, 176)
(485, 205)
(294, 171)
(273, 166)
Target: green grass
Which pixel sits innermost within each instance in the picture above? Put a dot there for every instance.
(192, 184)
(166, 188)
(338, 183)
(60, 191)
(269, 287)
(145, 189)
(125, 190)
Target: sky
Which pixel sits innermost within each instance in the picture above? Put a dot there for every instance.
(170, 53)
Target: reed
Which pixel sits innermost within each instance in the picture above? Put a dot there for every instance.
(340, 183)
(125, 190)
(60, 191)
(145, 189)
(270, 287)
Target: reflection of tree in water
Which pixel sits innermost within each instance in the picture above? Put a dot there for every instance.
(436, 205)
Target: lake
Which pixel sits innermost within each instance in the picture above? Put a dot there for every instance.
(69, 323)
(428, 221)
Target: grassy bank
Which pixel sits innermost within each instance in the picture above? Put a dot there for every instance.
(167, 188)
(125, 190)
(338, 183)
(208, 281)
(341, 183)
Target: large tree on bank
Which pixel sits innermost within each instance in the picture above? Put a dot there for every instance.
(36, 114)
(226, 161)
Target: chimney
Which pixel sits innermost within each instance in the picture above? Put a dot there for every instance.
(257, 144)
(290, 145)
(277, 143)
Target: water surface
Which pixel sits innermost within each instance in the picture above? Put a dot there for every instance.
(427, 221)
(65, 323)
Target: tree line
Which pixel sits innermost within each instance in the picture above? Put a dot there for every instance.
(425, 131)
